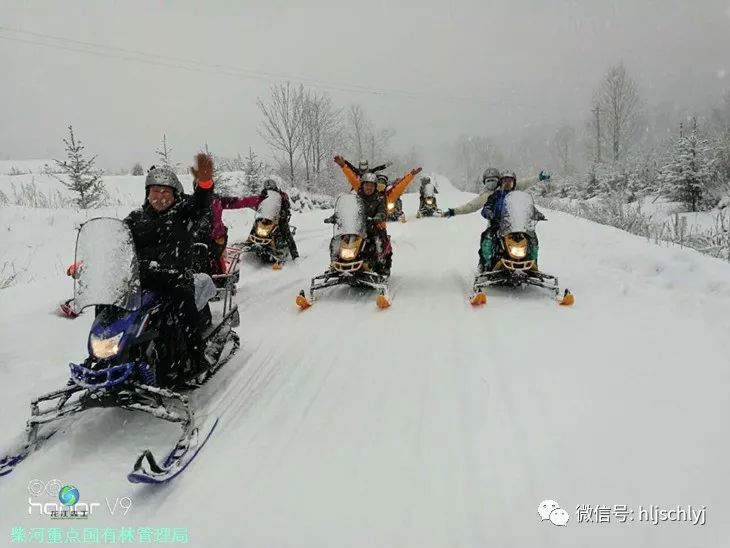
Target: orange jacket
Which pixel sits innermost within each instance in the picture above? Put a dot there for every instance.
(400, 185)
(395, 191)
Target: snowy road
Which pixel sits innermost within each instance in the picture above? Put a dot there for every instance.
(430, 423)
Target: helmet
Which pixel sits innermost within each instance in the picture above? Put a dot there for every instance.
(364, 166)
(270, 184)
(369, 178)
(382, 182)
(508, 175)
(425, 180)
(162, 176)
(490, 174)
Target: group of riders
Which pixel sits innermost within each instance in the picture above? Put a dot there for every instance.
(170, 223)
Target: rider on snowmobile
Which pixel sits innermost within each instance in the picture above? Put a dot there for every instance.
(163, 238)
(375, 217)
(490, 179)
(422, 197)
(492, 211)
(270, 185)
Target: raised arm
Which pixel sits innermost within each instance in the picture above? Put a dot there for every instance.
(401, 184)
(349, 172)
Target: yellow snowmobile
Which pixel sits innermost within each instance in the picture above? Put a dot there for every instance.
(514, 261)
(352, 255)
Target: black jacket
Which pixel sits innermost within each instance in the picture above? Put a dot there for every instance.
(373, 209)
(167, 239)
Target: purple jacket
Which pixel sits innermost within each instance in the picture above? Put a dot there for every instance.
(220, 203)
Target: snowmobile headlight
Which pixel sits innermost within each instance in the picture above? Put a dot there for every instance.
(263, 229)
(105, 348)
(391, 206)
(348, 253)
(429, 201)
(518, 250)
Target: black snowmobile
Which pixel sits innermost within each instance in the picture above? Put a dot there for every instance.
(352, 255)
(265, 239)
(513, 264)
(428, 205)
(136, 354)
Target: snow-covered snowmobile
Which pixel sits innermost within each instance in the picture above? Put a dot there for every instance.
(395, 211)
(514, 261)
(131, 342)
(352, 255)
(265, 239)
(428, 207)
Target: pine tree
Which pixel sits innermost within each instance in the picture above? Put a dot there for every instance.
(687, 175)
(254, 169)
(137, 169)
(165, 155)
(84, 179)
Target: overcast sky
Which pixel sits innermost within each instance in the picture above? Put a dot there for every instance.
(433, 70)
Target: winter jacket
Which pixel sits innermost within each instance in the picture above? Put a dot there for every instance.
(494, 207)
(219, 203)
(167, 238)
(399, 187)
(495, 204)
(473, 205)
(373, 210)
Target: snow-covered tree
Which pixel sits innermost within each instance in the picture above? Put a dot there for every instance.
(137, 169)
(616, 104)
(165, 155)
(254, 169)
(281, 126)
(688, 174)
(83, 178)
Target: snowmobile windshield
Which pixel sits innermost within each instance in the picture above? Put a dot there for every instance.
(349, 217)
(428, 190)
(269, 207)
(107, 272)
(518, 213)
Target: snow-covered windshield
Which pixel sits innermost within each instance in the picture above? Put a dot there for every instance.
(349, 218)
(270, 206)
(428, 190)
(107, 270)
(518, 213)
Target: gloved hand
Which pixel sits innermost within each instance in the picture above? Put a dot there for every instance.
(449, 213)
(203, 170)
(416, 171)
(340, 161)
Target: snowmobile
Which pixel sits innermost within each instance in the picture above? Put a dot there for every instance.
(131, 345)
(265, 239)
(352, 255)
(429, 207)
(394, 211)
(512, 262)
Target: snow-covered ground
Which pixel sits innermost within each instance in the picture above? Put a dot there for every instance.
(427, 424)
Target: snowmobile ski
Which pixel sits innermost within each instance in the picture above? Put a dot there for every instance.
(147, 470)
